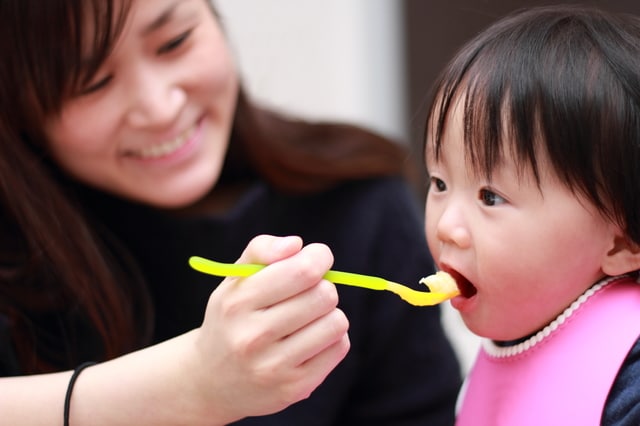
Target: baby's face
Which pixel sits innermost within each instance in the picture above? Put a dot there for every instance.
(522, 252)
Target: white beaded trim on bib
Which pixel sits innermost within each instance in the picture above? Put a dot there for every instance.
(507, 351)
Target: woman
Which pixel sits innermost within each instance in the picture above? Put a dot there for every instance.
(127, 147)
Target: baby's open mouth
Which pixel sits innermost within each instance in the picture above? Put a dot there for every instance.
(467, 289)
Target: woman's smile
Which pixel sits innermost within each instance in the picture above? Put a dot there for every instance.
(170, 149)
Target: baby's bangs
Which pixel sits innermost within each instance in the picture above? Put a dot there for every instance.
(496, 114)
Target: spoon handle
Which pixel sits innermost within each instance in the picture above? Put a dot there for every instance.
(219, 269)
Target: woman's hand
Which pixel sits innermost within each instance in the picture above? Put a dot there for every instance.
(267, 341)
(270, 339)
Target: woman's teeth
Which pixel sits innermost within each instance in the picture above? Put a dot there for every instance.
(168, 147)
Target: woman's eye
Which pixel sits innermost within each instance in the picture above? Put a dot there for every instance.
(438, 184)
(490, 198)
(174, 43)
(96, 86)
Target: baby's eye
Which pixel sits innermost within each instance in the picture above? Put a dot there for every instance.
(490, 198)
(437, 184)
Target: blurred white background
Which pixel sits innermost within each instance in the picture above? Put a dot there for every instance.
(331, 59)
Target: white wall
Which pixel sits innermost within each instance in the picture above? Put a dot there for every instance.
(324, 59)
(330, 59)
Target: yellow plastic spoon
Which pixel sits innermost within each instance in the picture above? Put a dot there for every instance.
(414, 297)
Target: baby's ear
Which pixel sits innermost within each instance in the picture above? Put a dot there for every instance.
(622, 258)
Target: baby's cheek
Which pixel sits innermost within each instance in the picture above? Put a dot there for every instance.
(432, 240)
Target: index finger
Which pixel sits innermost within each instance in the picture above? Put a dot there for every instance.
(289, 277)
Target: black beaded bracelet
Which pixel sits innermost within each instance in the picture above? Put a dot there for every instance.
(72, 381)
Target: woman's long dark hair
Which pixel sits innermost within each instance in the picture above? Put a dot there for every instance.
(59, 278)
(557, 80)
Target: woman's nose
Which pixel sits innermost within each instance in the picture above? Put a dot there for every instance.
(155, 101)
(453, 228)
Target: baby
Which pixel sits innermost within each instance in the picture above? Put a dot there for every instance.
(533, 153)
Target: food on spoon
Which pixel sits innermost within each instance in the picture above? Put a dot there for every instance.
(441, 282)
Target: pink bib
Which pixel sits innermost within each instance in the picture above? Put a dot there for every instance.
(561, 376)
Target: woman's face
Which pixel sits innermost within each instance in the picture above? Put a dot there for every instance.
(154, 124)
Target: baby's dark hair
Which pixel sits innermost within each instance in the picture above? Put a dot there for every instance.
(560, 80)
